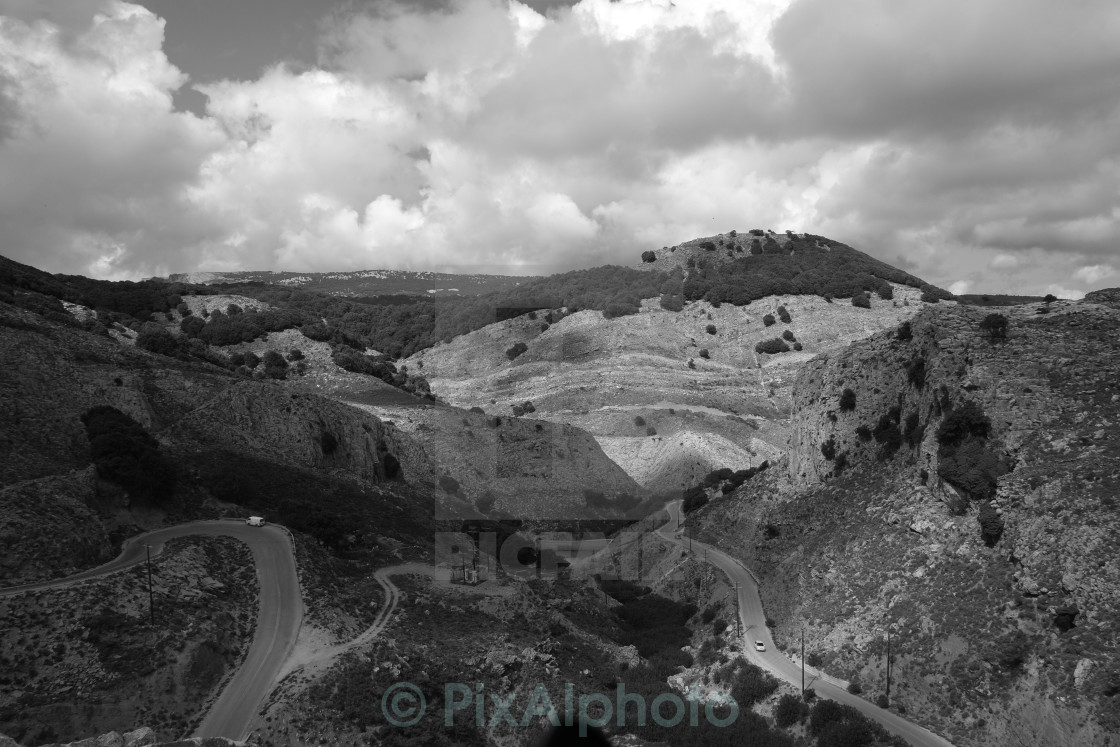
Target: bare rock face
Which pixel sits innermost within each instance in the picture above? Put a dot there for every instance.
(1105, 297)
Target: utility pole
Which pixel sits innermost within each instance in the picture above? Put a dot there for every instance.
(151, 596)
(803, 662)
(738, 618)
(888, 665)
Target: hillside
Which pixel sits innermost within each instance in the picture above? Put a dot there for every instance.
(363, 282)
(624, 377)
(964, 496)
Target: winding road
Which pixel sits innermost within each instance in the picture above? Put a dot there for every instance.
(279, 615)
(754, 629)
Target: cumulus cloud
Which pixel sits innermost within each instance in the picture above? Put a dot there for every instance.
(970, 143)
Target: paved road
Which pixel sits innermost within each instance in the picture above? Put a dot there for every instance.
(754, 629)
(279, 615)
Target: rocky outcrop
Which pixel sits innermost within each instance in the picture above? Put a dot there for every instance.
(1007, 638)
(1105, 297)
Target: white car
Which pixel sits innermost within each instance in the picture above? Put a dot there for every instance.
(255, 521)
(759, 646)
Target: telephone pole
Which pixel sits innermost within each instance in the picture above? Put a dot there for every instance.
(888, 666)
(803, 662)
(151, 596)
(738, 618)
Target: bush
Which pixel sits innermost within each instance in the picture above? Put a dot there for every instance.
(787, 335)
(639, 421)
(191, 326)
(651, 431)
(847, 400)
(862, 300)
(841, 462)
(972, 467)
(854, 687)
(157, 340)
(295, 355)
(790, 710)
(275, 367)
(864, 433)
(616, 309)
(888, 435)
(916, 372)
(516, 350)
(784, 315)
(771, 347)
(798, 346)
(704, 353)
(965, 420)
(649, 256)
(929, 296)
(994, 326)
(523, 409)
(328, 443)
(768, 320)
(126, 454)
(252, 360)
(828, 449)
(904, 332)
(672, 302)
(710, 329)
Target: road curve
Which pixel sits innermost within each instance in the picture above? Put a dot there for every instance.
(754, 629)
(279, 614)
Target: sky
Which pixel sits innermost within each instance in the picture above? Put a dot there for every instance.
(976, 145)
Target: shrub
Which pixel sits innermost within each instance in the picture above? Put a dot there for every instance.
(649, 256)
(616, 309)
(252, 360)
(523, 409)
(1011, 650)
(886, 292)
(854, 687)
(828, 449)
(972, 467)
(328, 442)
(787, 335)
(929, 296)
(449, 484)
(847, 400)
(710, 329)
(275, 367)
(516, 350)
(768, 320)
(771, 347)
(888, 435)
(916, 372)
(784, 315)
(639, 421)
(861, 300)
(904, 332)
(967, 419)
(191, 326)
(233, 309)
(157, 340)
(798, 346)
(1065, 617)
(913, 431)
(651, 431)
(841, 462)
(704, 353)
(994, 326)
(672, 302)
(790, 710)
(126, 454)
(1049, 298)
(864, 433)
(295, 355)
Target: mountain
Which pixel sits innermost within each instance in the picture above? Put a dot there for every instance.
(958, 486)
(363, 282)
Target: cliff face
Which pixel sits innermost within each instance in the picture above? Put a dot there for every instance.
(994, 561)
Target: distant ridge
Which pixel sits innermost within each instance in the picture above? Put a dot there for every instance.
(363, 282)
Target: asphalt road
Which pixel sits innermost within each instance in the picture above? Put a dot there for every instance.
(279, 614)
(754, 629)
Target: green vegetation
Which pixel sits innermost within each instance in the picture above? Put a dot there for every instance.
(916, 372)
(861, 300)
(964, 459)
(847, 400)
(904, 333)
(791, 709)
(783, 314)
(672, 302)
(769, 320)
(517, 349)
(991, 524)
(524, 408)
(771, 347)
(649, 256)
(994, 327)
(787, 335)
(126, 454)
(710, 329)
(704, 353)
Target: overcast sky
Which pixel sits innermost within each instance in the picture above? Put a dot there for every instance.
(976, 144)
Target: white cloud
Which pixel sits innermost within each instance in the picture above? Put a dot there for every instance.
(960, 287)
(1092, 274)
(487, 133)
(1061, 291)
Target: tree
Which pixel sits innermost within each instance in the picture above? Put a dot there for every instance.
(295, 355)
(1049, 298)
(252, 360)
(904, 333)
(861, 300)
(710, 329)
(649, 256)
(704, 353)
(991, 524)
(847, 400)
(126, 454)
(994, 326)
(768, 320)
(783, 314)
(639, 421)
(771, 347)
(158, 340)
(788, 336)
(275, 367)
(672, 302)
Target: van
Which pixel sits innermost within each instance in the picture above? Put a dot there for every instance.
(255, 521)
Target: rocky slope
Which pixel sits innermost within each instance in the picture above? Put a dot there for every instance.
(992, 559)
(641, 385)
